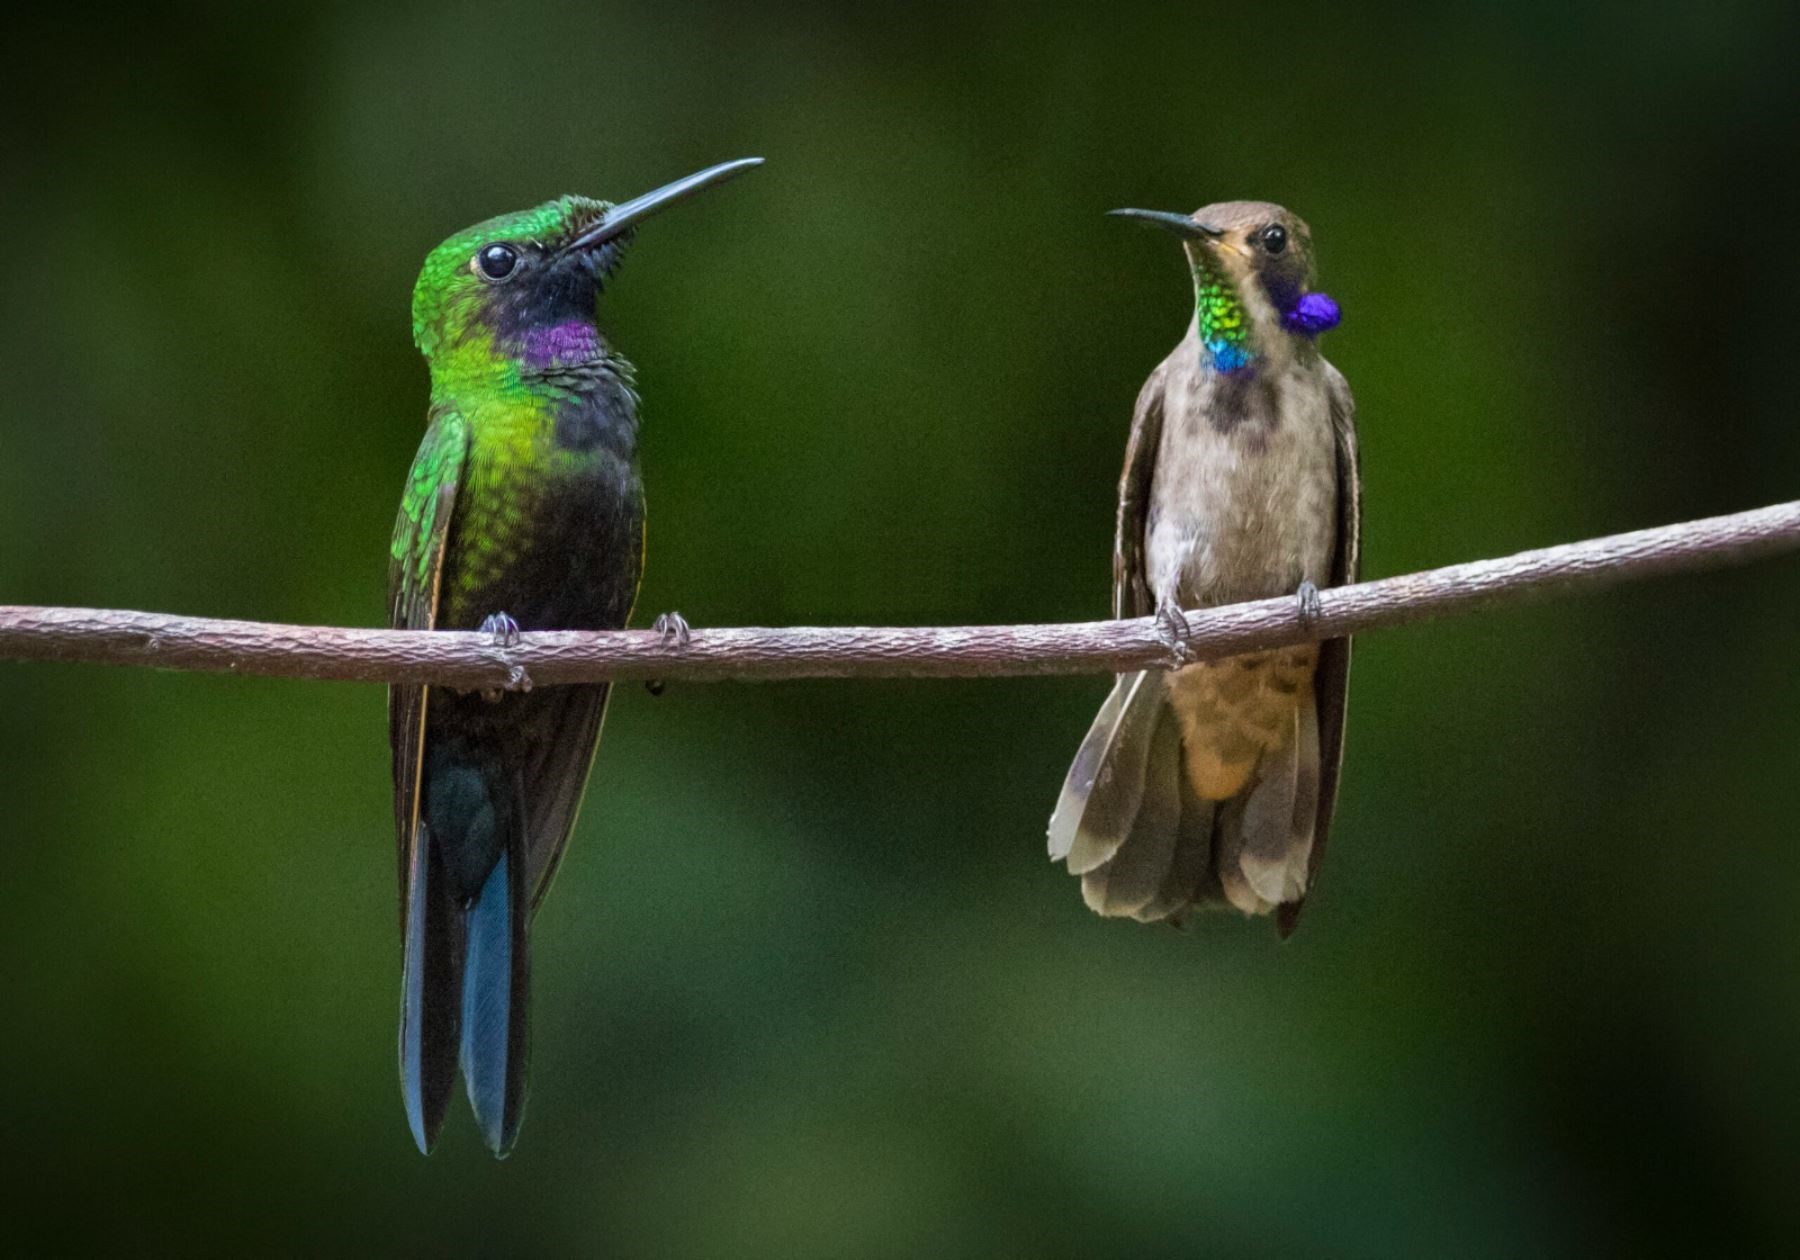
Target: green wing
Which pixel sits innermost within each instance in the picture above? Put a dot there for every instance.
(417, 555)
(415, 571)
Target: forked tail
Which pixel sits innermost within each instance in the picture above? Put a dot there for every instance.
(465, 988)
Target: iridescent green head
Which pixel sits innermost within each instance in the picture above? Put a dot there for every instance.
(524, 286)
(1253, 280)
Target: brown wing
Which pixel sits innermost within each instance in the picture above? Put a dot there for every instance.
(1331, 681)
(1131, 585)
(415, 572)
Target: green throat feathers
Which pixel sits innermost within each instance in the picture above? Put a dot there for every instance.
(1225, 330)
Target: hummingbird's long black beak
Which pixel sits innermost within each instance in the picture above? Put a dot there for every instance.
(1182, 225)
(627, 214)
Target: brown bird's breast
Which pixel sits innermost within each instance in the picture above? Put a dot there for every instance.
(1244, 504)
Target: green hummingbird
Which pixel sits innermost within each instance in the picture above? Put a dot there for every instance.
(1214, 783)
(524, 509)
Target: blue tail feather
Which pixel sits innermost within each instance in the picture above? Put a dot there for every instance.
(493, 1008)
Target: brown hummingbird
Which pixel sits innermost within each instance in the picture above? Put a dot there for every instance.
(1213, 784)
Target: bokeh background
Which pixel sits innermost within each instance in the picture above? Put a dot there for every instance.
(807, 985)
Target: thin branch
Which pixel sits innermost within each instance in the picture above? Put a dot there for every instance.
(469, 660)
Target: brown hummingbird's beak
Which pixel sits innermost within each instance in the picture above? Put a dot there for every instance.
(1182, 225)
(627, 214)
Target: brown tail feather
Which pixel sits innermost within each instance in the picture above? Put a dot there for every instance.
(1148, 846)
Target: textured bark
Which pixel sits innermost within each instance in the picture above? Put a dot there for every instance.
(463, 659)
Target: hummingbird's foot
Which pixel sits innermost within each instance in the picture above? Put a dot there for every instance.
(503, 632)
(1308, 605)
(502, 629)
(1172, 628)
(673, 628)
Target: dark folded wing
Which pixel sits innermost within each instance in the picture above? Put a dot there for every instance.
(555, 776)
(1331, 682)
(415, 572)
(1132, 596)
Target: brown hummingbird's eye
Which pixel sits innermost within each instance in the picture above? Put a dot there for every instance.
(497, 262)
(1274, 238)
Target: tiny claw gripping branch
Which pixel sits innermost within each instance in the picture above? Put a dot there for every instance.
(1308, 606)
(672, 628)
(1173, 629)
(503, 633)
(502, 629)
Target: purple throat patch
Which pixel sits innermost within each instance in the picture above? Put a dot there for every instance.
(1313, 314)
(560, 345)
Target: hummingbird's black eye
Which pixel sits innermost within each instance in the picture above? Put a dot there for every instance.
(497, 262)
(1274, 238)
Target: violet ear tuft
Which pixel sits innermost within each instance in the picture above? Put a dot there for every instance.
(1313, 314)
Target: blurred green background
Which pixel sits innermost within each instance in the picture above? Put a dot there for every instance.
(807, 985)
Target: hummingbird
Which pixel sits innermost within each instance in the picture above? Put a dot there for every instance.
(524, 509)
(1213, 784)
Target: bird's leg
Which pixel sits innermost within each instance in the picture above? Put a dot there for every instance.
(1172, 628)
(1307, 604)
(673, 628)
